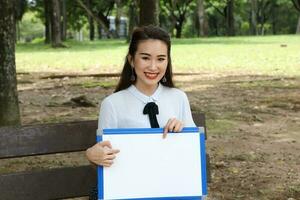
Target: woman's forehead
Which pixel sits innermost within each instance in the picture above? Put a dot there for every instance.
(152, 46)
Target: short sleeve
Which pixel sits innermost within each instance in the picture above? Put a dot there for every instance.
(186, 112)
(107, 116)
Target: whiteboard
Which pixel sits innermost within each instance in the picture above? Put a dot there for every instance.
(149, 166)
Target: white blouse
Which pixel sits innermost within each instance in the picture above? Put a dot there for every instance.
(124, 109)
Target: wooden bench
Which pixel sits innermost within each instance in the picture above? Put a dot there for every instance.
(58, 183)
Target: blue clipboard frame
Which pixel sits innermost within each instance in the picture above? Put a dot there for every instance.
(158, 131)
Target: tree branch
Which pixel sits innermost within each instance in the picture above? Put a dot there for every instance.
(97, 19)
(217, 9)
(296, 4)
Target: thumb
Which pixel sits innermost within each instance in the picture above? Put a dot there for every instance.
(116, 150)
(106, 144)
(113, 151)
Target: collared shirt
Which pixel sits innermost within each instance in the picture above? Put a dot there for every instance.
(124, 109)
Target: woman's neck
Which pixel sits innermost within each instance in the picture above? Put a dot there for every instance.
(146, 90)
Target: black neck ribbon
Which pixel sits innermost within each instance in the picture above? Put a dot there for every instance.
(152, 110)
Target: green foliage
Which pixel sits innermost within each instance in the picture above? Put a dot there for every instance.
(175, 12)
(30, 27)
(245, 27)
(276, 16)
(189, 29)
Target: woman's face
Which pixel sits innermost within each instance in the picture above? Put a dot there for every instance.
(150, 63)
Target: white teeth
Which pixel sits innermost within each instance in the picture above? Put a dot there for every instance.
(152, 75)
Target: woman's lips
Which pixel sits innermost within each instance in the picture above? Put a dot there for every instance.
(151, 75)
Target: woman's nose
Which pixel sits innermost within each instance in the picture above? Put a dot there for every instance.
(153, 65)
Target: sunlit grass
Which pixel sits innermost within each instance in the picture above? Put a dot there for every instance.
(268, 55)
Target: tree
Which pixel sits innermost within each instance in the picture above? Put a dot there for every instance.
(297, 6)
(56, 40)
(133, 18)
(21, 8)
(201, 19)
(253, 21)
(63, 7)
(149, 10)
(47, 16)
(229, 17)
(98, 16)
(91, 20)
(178, 11)
(118, 16)
(9, 106)
(263, 13)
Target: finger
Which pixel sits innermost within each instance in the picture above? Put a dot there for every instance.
(108, 162)
(106, 165)
(105, 144)
(166, 128)
(168, 124)
(110, 157)
(172, 125)
(178, 127)
(112, 151)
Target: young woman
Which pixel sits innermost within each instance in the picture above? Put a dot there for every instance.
(145, 96)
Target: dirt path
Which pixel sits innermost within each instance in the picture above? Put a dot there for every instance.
(253, 127)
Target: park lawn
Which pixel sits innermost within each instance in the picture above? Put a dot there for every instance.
(263, 55)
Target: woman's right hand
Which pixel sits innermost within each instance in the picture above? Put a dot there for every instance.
(102, 153)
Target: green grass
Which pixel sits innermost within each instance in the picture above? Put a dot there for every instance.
(220, 126)
(268, 55)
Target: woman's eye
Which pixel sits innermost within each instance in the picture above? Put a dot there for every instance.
(145, 58)
(161, 59)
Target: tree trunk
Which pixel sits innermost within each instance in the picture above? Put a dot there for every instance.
(9, 105)
(47, 7)
(64, 20)
(178, 27)
(274, 18)
(99, 29)
(202, 21)
(55, 25)
(253, 21)
(91, 20)
(18, 34)
(133, 18)
(297, 6)
(118, 17)
(230, 18)
(262, 23)
(92, 28)
(298, 26)
(149, 12)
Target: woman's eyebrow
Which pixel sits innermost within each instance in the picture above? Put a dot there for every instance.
(147, 54)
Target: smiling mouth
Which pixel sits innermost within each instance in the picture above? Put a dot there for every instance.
(151, 75)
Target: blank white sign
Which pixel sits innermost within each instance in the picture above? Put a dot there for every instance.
(151, 167)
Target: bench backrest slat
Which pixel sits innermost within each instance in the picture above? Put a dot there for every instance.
(50, 184)
(47, 139)
(53, 138)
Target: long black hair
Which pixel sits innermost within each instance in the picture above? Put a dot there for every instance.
(138, 35)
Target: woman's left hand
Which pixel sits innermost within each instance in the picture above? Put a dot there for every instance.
(173, 125)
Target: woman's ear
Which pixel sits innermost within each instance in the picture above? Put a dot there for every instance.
(129, 58)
